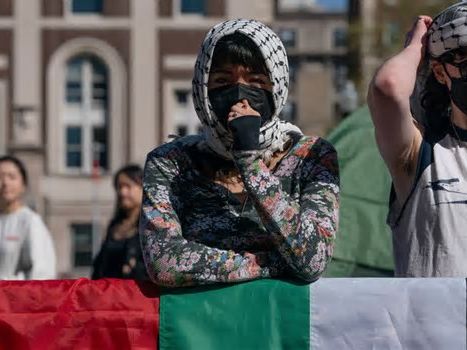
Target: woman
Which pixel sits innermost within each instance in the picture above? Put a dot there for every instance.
(26, 247)
(120, 255)
(252, 197)
(418, 101)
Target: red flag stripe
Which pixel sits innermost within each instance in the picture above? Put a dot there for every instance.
(78, 314)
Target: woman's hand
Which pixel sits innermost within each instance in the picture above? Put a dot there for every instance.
(244, 123)
(241, 109)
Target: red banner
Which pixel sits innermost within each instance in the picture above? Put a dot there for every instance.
(78, 314)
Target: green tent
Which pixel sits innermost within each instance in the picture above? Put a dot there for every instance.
(363, 243)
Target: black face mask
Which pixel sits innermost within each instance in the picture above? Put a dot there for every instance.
(223, 98)
(459, 93)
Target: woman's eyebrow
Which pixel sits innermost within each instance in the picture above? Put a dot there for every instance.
(221, 70)
(257, 73)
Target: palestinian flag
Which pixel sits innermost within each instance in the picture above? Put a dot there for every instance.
(266, 314)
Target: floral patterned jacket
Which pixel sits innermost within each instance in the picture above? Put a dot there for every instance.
(194, 231)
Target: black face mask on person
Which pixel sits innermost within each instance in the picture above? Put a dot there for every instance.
(458, 90)
(223, 98)
(458, 93)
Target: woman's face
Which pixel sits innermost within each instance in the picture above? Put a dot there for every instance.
(230, 74)
(12, 185)
(129, 193)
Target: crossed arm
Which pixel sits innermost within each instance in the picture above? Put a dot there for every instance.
(302, 230)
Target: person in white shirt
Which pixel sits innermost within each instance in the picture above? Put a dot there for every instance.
(26, 246)
(418, 102)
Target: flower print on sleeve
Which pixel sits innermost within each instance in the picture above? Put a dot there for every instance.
(304, 229)
(172, 260)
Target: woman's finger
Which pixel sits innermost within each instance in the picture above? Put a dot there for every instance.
(244, 111)
(233, 115)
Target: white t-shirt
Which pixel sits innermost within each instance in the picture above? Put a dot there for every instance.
(24, 229)
(430, 229)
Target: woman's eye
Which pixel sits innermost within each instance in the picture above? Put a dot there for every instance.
(259, 81)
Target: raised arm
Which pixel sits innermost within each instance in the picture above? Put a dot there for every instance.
(397, 135)
(303, 228)
(170, 259)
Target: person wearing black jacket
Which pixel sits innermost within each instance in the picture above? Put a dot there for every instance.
(120, 255)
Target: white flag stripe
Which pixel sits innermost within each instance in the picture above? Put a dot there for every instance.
(388, 313)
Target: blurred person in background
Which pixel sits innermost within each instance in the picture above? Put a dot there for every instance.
(418, 102)
(120, 255)
(26, 247)
(250, 198)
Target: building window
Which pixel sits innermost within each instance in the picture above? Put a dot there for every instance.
(86, 6)
(196, 7)
(182, 96)
(84, 120)
(86, 87)
(73, 82)
(340, 37)
(73, 147)
(82, 244)
(293, 68)
(296, 5)
(288, 37)
(289, 112)
(316, 6)
(182, 130)
(185, 120)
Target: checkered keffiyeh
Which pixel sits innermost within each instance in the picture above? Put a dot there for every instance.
(273, 135)
(447, 32)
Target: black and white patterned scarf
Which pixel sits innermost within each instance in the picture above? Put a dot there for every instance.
(447, 32)
(274, 134)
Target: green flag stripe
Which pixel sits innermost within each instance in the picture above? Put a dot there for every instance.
(263, 314)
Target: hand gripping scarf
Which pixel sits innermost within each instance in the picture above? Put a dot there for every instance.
(447, 32)
(274, 134)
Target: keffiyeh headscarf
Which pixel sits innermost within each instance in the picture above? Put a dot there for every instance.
(448, 32)
(274, 134)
